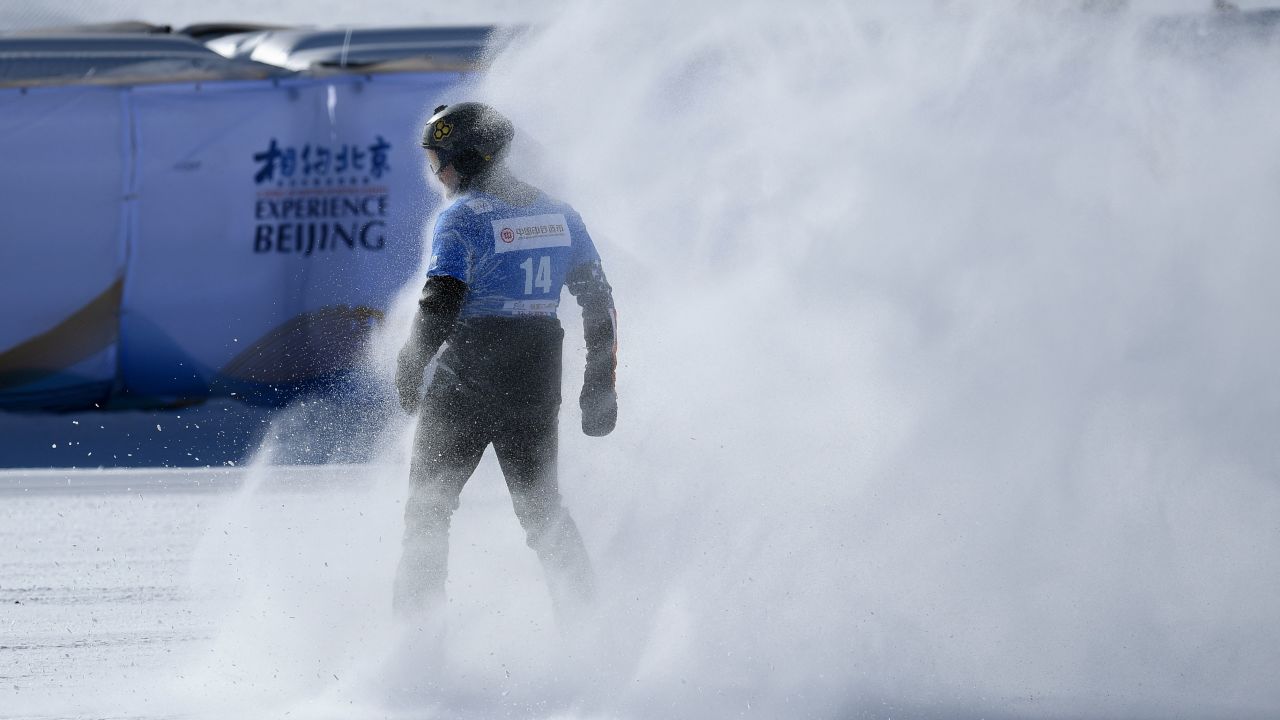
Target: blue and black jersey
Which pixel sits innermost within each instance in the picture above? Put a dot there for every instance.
(514, 259)
(500, 256)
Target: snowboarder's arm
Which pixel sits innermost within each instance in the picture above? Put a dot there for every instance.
(599, 400)
(437, 311)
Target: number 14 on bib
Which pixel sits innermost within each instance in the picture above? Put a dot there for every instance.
(541, 278)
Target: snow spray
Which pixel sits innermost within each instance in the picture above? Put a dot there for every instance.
(946, 380)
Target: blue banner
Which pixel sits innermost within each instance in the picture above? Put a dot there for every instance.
(236, 238)
(62, 181)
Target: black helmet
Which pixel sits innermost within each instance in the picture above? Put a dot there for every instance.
(470, 136)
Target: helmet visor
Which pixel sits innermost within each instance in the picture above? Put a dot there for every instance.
(437, 160)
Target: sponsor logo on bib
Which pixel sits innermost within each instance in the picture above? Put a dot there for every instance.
(530, 233)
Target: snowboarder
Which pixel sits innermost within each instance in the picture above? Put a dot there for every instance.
(500, 252)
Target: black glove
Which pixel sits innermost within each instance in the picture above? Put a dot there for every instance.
(408, 382)
(599, 409)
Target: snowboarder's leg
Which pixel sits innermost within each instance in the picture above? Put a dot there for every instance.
(527, 453)
(447, 447)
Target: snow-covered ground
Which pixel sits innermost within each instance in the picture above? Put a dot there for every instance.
(264, 593)
(244, 593)
(948, 389)
(93, 586)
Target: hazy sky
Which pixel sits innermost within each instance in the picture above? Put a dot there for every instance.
(15, 14)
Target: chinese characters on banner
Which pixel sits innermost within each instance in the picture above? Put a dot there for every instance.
(320, 198)
(280, 165)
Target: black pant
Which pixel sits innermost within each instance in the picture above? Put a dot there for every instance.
(480, 396)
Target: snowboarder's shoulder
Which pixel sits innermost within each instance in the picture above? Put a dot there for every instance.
(463, 209)
(553, 201)
(552, 204)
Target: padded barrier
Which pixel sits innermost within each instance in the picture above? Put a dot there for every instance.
(167, 243)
